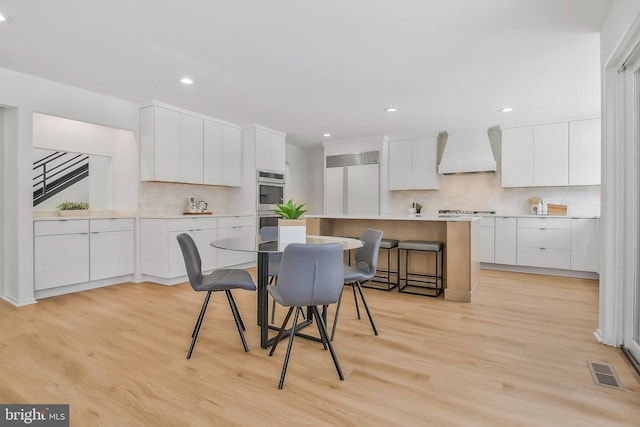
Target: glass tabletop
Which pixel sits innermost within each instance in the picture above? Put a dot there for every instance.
(257, 244)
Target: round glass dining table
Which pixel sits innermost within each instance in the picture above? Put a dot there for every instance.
(263, 248)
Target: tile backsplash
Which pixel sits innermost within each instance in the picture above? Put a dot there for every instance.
(483, 191)
(165, 198)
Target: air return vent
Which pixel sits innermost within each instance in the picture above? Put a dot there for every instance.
(605, 375)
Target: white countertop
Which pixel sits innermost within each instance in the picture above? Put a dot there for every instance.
(53, 216)
(407, 217)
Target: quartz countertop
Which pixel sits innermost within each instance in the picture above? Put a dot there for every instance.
(406, 217)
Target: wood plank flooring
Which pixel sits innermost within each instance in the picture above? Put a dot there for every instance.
(516, 356)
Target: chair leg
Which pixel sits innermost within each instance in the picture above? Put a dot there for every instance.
(335, 318)
(281, 331)
(196, 329)
(236, 307)
(355, 299)
(237, 318)
(366, 307)
(286, 356)
(322, 327)
(324, 313)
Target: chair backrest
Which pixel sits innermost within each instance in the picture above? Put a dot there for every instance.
(366, 256)
(192, 260)
(311, 274)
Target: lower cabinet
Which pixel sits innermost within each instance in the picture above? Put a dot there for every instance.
(585, 244)
(68, 252)
(235, 226)
(487, 239)
(506, 237)
(544, 242)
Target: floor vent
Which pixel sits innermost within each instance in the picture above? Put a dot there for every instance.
(605, 375)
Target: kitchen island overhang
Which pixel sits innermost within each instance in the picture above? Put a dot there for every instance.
(460, 236)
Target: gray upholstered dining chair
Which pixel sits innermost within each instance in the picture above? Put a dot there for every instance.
(309, 276)
(222, 279)
(366, 261)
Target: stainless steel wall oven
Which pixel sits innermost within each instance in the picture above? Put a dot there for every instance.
(270, 190)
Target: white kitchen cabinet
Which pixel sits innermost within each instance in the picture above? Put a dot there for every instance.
(487, 239)
(160, 150)
(544, 242)
(551, 155)
(270, 148)
(517, 157)
(334, 191)
(363, 194)
(584, 152)
(236, 226)
(111, 248)
(585, 244)
(61, 253)
(222, 154)
(505, 240)
(413, 164)
(160, 253)
(191, 149)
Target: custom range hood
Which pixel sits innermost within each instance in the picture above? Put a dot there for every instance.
(465, 152)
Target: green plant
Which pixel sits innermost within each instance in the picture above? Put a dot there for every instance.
(70, 206)
(290, 210)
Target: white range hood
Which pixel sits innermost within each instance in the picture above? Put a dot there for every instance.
(468, 151)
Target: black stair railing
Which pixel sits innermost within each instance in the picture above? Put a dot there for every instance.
(56, 172)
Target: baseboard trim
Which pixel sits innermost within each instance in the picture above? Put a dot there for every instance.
(539, 270)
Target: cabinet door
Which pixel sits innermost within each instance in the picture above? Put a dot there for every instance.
(61, 260)
(363, 190)
(232, 166)
(424, 164)
(208, 254)
(227, 258)
(584, 152)
(213, 153)
(176, 260)
(487, 244)
(551, 155)
(505, 241)
(400, 162)
(585, 244)
(334, 191)
(263, 149)
(167, 145)
(111, 254)
(517, 157)
(191, 149)
(278, 152)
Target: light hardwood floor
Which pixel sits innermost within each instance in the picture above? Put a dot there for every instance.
(516, 356)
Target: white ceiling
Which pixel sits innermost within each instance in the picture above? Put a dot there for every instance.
(310, 66)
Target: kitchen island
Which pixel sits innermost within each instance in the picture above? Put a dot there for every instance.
(460, 235)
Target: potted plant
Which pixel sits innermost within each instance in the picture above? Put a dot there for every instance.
(67, 208)
(418, 208)
(291, 229)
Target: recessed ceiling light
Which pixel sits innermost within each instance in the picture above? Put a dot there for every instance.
(505, 109)
(326, 134)
(186, 81)
(391, 109)
(3, 18)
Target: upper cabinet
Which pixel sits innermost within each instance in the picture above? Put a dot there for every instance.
(270, 148)
(584, 152)
(413, 164)
(178, 146)
(557, 154)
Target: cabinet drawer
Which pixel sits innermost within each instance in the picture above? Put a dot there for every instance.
(111, 224)
(63, 226)
(544, 238)
(487, 221)
(545, 222)
(236, 221)
(546, 258)
(186, 224)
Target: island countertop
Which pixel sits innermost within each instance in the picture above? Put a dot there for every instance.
(459, 234)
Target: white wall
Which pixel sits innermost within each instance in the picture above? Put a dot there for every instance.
(299, 176)
(25, 95)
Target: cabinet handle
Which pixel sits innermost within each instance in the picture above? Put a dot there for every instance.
(543, 229)
(543, 249)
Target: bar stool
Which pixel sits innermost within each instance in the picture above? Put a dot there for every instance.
(420, 283)
(382, 279)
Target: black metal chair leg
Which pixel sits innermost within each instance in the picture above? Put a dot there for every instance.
(366, 307)
(236, 308)
(335, 318)
(196, 330)
(318, 323)
(355, 299)
(322, 328)
(286, 356)
(281, 331)
(236, 317)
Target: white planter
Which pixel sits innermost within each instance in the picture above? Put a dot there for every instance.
(291, 231)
